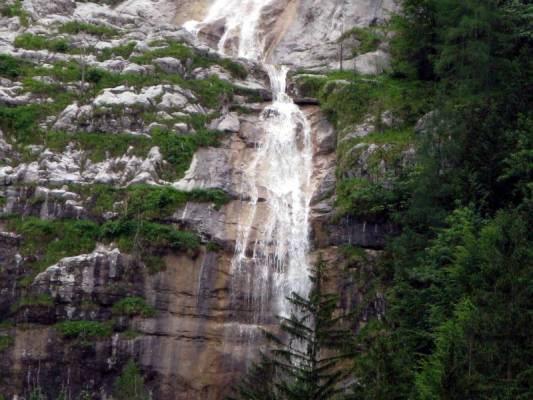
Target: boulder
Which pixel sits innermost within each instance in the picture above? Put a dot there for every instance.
(373, 63)
(227, 123)
(172, 101)
(170, 65)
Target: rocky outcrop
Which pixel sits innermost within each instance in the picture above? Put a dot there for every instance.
(204, 328)
(72, 167)
(311, 39)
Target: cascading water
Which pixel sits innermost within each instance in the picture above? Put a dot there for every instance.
(271, 254)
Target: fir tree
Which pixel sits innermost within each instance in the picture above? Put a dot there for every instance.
(305, 361)
(130, 384)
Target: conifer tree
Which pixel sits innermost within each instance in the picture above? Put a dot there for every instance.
(305, 361)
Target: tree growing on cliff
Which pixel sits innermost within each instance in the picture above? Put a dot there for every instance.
(130, 384)
(305, 361)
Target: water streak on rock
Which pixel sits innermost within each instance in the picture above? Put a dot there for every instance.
(271, 253)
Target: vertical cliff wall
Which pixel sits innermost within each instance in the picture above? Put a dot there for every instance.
(123, 187)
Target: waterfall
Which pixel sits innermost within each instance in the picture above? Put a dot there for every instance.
(272, 246)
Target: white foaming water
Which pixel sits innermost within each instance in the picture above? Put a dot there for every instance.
(241, 20)
(271, 254)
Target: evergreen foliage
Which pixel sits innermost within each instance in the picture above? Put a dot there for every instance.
(305, 361)
(130, 384)
(459, 277)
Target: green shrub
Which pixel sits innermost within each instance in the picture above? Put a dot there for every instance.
(133, 306)
(99, 145)
(38, 300)
(101, 197)
(392, 145)
(10, 67)
(129, 334)
(174, 49)
(149, 202)
(34, 42)
(59, 46)
(145, 236)
(52, 240)
(217, 196)
(211, 92)
(76, 27)
(123, 51)
(362, 198)
(5, 342)
(347, 98)
(309, 85)
(130, 384)
(370, 38)
(237, 70)
(20, 121)
(178, 150)
(15, 10)
(213, 247)
(84, 330)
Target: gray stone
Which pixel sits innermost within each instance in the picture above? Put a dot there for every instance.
(181, 127)
(311, 39)
(373, 63)
(227, 123)
(172, 101)
(169, 65)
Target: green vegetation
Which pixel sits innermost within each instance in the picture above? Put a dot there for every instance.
(99, 146)
(369, 38)
(458, 277)
(10, 67)
(348, 98)
(39, 300)
(178, 150)
(15, 10)
(145, 201)
(236, 70)
(50, 241)
(76, 27)
(5, 342)
(133, 306)
(130, 334)
(148, 237)
(130, 384)
(309, 85)
(157, 203)
(123, 51)
(184, 53)
(84, 330)
(20, 120)
(311, 369)
(211, 91)
(34, 42)
(172, 49)
(363, 198)
(213, 247)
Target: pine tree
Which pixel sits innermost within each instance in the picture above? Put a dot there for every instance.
(130, 384)
(305, 361)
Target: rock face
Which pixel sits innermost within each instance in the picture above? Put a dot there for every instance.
(311, 39)
(202, 331)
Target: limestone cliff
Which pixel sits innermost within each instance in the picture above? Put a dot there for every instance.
(122, 142)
